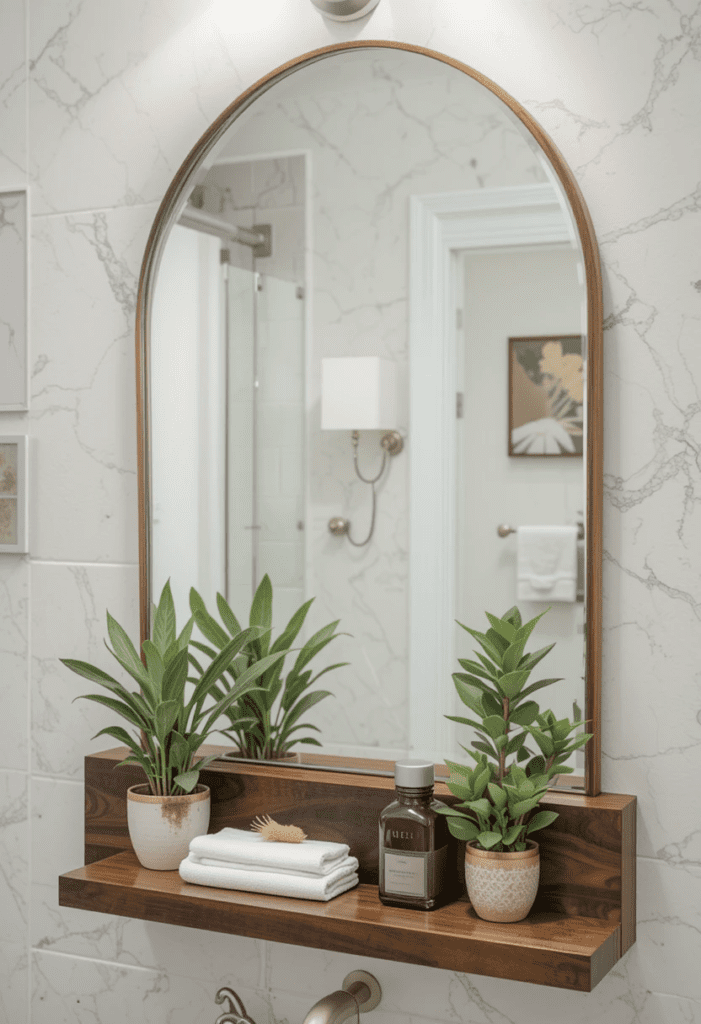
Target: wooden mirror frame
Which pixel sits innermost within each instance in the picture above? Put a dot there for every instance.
(183, 182)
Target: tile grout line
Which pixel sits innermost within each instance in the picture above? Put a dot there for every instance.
(98, 960)
(97, 209)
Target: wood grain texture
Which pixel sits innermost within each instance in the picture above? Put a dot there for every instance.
(181, 185)
(587, 855)
(546, 949)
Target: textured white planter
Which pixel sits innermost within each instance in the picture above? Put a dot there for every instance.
(502, 886)
(161, 827)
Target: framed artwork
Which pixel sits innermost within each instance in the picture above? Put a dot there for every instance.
(14, 363)
(546, 396)
(13, 493)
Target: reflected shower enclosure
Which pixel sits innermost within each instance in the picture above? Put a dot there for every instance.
(228, 331)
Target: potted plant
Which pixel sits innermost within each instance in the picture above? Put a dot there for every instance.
(500, 795)
(265, 723)
(172, 723)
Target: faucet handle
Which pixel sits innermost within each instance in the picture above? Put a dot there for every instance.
(236, 1014)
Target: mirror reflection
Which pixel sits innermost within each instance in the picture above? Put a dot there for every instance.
(295, 259)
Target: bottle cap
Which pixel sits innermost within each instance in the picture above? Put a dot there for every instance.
(414, 774)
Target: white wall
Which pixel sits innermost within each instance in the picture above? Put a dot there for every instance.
(506, 295)
(117, 94)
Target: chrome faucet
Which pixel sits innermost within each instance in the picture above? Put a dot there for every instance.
(361, 992)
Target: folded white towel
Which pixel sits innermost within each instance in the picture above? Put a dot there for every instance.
(547, 563)
(232, 847)
(303, 887)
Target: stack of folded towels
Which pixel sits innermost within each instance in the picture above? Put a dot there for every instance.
(234, 859)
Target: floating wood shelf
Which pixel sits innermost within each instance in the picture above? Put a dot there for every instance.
(552, 949)
(582, 923)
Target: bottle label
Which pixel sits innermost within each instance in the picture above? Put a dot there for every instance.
(406, 874)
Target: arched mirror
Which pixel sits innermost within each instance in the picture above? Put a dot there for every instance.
(375, 265)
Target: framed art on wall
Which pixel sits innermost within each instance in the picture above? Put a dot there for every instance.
(14, 234)
(546, 395)
(13, 494)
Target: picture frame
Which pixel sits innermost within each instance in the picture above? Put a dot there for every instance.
(13, 494)
(14, 298)
(546, 396)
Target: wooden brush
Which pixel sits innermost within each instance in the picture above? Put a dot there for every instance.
(276, 833)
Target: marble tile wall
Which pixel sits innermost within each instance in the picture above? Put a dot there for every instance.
(117, 95)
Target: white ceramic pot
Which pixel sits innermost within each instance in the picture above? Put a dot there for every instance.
(502, 886)
(161, 827)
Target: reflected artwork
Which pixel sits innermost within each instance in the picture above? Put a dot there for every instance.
(546, 394)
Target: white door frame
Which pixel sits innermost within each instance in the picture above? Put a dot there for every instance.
(440, 227)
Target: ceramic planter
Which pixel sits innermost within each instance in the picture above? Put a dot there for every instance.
(161, 827)
(502, 886)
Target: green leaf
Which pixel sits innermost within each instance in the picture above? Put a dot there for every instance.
(174, 677)
(512, 834)
(291, 630)
(515, 743)
(495, 726)
(498, 796)
(491, 705)
(503, 628)
(187, 780)
(480, 782)
(463, 829)
(307, 702)
(524, 714)
(125, 652)
(227, 616)
(475, 669)
(543, 740)
(119, 708)
(208, 626)
(485, 643)
(481, 807)
(522, 807)
(262, 612)
(511, 683)
(489, 839)
(165, 717)
(541, 820)
(470, 696)
(164, 630)
(513, 616)
(485, 748)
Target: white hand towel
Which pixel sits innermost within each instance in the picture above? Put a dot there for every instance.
(235, 848)
(303, 887)
(547, 563)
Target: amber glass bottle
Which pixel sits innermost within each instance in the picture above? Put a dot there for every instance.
(415, 844)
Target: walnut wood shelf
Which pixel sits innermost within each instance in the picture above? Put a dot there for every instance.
(552, 949)
(582, 923)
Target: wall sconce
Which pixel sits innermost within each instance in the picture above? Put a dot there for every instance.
(360, 393)
(345, 10)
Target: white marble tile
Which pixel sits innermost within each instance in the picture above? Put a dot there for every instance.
(13, 94)
(57, 846)
(85, 273)
(78, 991)
(13, 300)
(14, 661)
(69, 604)
(298, 977)
(14, 983)
(14, 856)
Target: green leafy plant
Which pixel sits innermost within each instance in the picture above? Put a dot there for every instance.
(500, 793)
(171, 718)
(265, 723)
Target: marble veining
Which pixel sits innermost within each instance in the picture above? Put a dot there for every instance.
(117, 97)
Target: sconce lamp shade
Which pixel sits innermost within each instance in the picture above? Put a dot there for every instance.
(358, 393)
